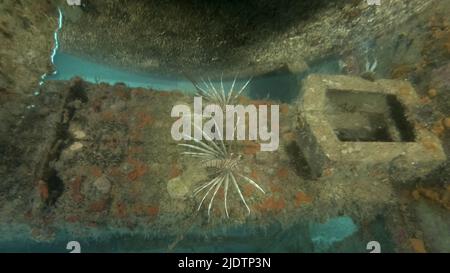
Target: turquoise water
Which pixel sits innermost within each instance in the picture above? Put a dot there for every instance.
(300, 237)
(69, 66)
(324, 235)
(339, 234)
(282, 86)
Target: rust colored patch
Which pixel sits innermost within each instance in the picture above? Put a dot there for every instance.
(254, 175)
(152, 211)
(272, 204)
(275, 188)
(96, 171)
(248, 190)
(139, 170)
(302, 199)
(175, 171)
(76, 189)
(137, 91)
(73, 218)
(115, 171)
(43, 190)
(136, 173)
(133, 161)
(417, 245)
(220, 193)
(138, 209)
(282, 172)
(135, 150)
(122, 93)
(123, 117)
(144, 120)
(107, 115)
(98, 206)
(251, 148)
(425, 100)
(438, 196)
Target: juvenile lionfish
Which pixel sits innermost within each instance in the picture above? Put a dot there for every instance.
(214, 154)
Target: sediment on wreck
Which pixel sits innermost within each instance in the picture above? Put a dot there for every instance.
(215, 37)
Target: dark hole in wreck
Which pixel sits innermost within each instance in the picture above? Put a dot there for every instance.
(368, 117)
(50, 175)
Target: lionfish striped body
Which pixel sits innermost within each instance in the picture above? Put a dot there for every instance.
(229, 163)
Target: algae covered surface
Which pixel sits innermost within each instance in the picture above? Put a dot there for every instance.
(89, 155)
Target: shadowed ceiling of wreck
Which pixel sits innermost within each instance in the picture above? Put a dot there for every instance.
(181, 35)
(215, 36)
(189, 37)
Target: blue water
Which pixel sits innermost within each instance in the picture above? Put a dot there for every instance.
(300, 237)
(324, 235)
(69, 66)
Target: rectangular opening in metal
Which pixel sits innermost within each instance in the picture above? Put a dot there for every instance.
(358, 116)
